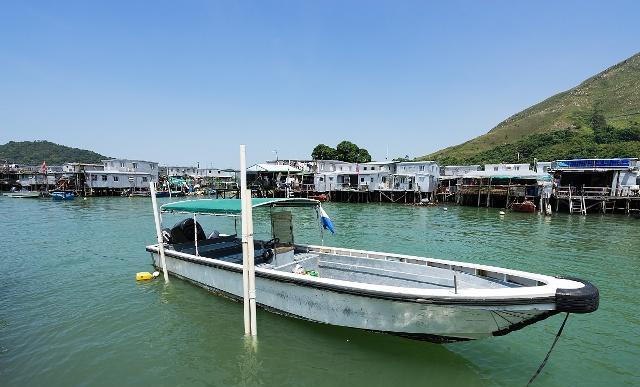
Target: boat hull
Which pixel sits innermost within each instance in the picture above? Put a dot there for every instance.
(23, 195)
(524, 207)
(62, 195)
(412, 318)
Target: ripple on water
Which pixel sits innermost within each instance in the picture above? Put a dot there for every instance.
(71, 313)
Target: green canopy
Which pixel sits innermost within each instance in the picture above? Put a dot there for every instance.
(232, 206)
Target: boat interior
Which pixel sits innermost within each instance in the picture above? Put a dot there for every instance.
(281, 254)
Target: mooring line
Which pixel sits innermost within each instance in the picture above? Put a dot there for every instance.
(544, 362)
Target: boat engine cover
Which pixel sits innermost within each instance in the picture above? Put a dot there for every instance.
(183, 231)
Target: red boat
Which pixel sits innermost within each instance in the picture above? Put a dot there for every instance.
(526, 206)
(320, 198)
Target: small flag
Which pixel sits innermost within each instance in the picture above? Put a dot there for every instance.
(327, 224)
(44, 167)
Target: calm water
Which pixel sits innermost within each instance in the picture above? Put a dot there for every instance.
(71, 312)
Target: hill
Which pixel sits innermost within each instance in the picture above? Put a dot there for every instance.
(34, 152)
(565, 124)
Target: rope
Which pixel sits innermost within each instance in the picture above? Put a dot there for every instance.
(544, 362)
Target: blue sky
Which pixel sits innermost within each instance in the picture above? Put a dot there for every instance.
(188, 81)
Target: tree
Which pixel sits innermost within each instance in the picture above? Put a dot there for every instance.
(363, 156)
(597, 121)
(323, 152)
(345, 151)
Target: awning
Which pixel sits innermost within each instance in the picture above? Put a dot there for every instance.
(506, 175)
(272, 168)
(232, 206)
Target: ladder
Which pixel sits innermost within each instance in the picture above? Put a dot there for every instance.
(577, 204)
(609, 206)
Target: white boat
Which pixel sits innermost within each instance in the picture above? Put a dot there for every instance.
(421, 298)
(23, 194)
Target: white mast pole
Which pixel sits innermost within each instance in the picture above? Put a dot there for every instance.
(156, 218)
(245, 260)
(248, 268)
(252, 269)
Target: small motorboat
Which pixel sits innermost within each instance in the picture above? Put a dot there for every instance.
(23, 194)
(139, 194)
(62, 195)
(526, 206)
(320, 198)
(420, 298)
(167, 194)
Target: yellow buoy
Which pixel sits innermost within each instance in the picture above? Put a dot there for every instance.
(144, 276)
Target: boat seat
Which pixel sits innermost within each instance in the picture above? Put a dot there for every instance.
(281, 249)
(284, 254)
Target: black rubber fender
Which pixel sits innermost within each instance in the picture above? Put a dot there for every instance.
(582, 300)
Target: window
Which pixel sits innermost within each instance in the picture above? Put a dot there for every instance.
(135, 165)
(384, 179)
(144, 179)
(121, 164)
(372, 168)
(116, 178)
(372, 179)
(365, 168)
(94, 177)
(362, 179)
(495, 168)
(341, 168)
(321, 179)
(422, 167)
(104, 177)
(517, 168)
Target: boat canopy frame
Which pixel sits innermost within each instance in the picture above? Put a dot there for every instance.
(232, 207)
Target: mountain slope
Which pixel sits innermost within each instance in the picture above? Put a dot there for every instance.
(613, 93)
(35, 152)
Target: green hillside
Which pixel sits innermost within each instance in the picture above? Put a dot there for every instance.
(598, 118)
(35, 152)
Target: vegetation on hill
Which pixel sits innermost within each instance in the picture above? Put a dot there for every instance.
(345, 151)
(598, 118)
(600, 142)
(35, 152)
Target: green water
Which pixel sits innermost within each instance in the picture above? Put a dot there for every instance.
(71, 312)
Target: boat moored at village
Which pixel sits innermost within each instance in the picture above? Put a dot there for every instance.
(420, 298)
(62, 195)
(525, 206)
(23, 194)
